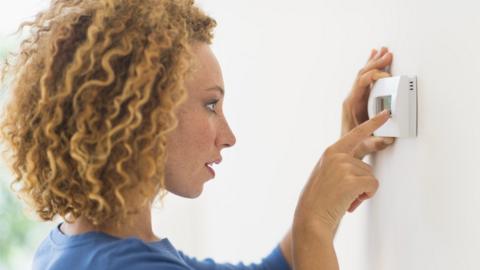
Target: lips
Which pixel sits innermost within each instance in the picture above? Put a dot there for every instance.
(210, 169)
(209, 165)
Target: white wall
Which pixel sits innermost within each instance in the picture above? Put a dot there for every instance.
(426, 216)
(287, 67)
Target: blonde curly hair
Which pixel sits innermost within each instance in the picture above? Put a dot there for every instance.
(93, 94)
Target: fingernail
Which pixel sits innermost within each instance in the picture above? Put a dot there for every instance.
(386, 111)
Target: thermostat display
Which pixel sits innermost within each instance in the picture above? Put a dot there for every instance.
(399, 95)
(384, 103)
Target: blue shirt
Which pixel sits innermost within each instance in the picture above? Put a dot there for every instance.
(97, 250)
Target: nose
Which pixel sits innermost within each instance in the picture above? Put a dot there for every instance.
(225, 137)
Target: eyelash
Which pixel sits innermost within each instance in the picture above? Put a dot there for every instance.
(214, 102)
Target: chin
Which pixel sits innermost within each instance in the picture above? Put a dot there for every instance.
(191, 194)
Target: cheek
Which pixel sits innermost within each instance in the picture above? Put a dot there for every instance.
(201, 135)
(197, 128)
(191, 142)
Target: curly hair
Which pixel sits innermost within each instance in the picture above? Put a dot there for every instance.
(93, 94)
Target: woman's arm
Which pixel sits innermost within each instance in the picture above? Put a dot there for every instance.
(325, 248)
(336, 181)
(315, 245)
(313, 248)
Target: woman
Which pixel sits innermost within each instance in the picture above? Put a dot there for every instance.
(116, 102)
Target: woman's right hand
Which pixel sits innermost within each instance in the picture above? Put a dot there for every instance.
(337, 180)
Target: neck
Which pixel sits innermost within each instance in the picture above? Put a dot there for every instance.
(141, 228)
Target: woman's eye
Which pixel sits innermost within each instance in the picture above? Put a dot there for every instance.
(213, 103)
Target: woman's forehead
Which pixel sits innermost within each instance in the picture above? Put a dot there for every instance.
(206, 72)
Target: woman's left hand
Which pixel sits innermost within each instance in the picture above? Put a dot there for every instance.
(355, 109)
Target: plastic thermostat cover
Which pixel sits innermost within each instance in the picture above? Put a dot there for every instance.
(399, 95)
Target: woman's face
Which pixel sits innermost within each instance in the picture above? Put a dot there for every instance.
(202, 130)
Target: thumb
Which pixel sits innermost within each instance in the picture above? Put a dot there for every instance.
(371, 145)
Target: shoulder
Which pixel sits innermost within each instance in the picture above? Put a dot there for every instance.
(133, 253)
(100, 251)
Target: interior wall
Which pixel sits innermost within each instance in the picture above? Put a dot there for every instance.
(287, 67)
(426, 213)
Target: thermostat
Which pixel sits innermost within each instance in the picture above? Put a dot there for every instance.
(399, 95)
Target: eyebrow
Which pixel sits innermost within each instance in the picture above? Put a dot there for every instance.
(217, 88)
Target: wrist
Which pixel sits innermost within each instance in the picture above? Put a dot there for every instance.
(313, 248)
(312, 230)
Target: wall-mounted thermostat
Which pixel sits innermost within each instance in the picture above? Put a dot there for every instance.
(399, 95)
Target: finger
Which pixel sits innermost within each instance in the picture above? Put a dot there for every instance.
(362, 85)
(381, 52)
(354, 205)
(357, 135)
(363, 197)
(372, 145)
(371, 76)
(373, 53)
(357, 202)
(377, 63)
(367, 187)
